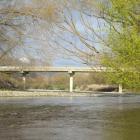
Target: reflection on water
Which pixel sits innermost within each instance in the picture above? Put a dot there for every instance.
(81, 118)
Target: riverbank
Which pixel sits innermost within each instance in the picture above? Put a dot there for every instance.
(57, 94)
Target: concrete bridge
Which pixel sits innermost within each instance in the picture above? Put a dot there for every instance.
(70, 70)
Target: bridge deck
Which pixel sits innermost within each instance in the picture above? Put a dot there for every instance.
(52, 69)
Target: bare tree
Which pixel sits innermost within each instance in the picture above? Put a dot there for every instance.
(21, 20)
(84, 31)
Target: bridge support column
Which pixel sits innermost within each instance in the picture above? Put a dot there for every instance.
(24, 82)
(24, 79)
(120, 88)
(71, 73)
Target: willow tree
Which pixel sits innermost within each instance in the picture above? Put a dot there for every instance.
(123, 53)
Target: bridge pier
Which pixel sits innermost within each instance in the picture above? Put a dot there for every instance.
(71, 73)
(120, 88)
(24, 79)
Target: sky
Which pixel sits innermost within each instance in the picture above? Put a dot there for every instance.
(68, 62)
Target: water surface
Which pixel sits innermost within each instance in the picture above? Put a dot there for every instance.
(67, 118)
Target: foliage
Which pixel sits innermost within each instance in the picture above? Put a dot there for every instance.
(123, 53)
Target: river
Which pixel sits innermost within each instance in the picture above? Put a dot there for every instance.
(70, 118)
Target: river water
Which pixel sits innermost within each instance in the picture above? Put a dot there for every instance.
(70, 118)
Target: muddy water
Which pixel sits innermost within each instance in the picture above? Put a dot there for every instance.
(81, 118)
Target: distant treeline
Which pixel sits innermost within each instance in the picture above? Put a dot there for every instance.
(57, 81)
